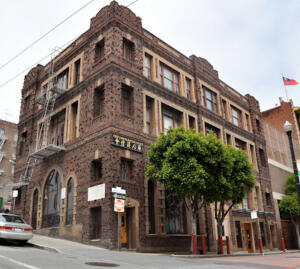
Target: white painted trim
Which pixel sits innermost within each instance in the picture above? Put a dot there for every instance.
(279, 165)
(277, 195)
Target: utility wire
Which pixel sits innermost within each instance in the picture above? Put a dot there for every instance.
(69, 42)
(47, 33)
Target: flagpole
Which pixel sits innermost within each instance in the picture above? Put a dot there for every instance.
(287, 99)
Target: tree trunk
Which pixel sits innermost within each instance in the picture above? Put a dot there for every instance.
(194, 230)
(296, 225)
(219, 229)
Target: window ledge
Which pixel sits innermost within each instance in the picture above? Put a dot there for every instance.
(128, 117)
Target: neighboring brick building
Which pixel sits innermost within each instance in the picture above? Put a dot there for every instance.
(279, 158)
(123, 87)
(8, 143)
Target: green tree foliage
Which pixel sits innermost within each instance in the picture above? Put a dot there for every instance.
(290, 184)
(202, 169)
(289, 206)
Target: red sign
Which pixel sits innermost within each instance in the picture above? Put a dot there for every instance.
(119, 205)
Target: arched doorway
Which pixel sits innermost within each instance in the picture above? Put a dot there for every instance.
(70, 201)
(34, 209)
(51, 200)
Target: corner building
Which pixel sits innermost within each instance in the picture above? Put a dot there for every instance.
(113, 91)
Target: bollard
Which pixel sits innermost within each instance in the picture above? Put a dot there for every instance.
(228, 245)
(194, 243)
(203, 244)
(260, 245)
(221, 245)
(283, 244)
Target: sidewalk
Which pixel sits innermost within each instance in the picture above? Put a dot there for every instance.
(57, 245)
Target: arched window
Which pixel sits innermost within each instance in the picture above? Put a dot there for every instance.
(34, 209)
(70, 200)
(51, 200)
(151, 207)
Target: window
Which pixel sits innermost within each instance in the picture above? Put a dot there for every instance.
(252, 154)
(73, 120)
(151, 208)
(15, 136)
(192, 122)
(247, 123)
(51, 200)
(238, 234)
(70, 201)
(175, 213)
(171, 118)
(99, 50)
(99, 101)
(188, 88)
(262, 157)
(228, 139)
(236, 117)
(77, 72)
(169, 78)
(148, 66)
(97, 170)
(126, 170)
(258, 127)
(23, 143)
(149, 115)
(239, 144)
(210, 99)
(128, 50)
(214, 129)
(58, 128)
(245, 201)
(224, 109)
(127, 100)
(62, 79)
(268, 199)
(95, 220)
(1, 132)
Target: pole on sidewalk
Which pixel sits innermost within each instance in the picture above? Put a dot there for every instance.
(194, 237)
(228, 244)
(119, 231)
(221, 245)
(260, 245)
(203, 244)
(283, 244)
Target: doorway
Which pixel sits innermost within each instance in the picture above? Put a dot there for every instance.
(248, 237)
(95, 220)
(34, 209)
(124, 229)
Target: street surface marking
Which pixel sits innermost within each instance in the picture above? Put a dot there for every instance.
(19, 263)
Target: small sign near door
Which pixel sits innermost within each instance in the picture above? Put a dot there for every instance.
(119, 205)
(253, 214)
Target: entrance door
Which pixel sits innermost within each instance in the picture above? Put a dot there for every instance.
(34, 209)
(124, 239)
(248, 237)
(95, 232)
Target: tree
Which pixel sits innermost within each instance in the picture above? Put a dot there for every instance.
(229, 189)
(289, 205)
(200, 168)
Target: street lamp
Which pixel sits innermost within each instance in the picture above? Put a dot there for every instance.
(288, 129)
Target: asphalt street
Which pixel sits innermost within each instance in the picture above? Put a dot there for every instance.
(13, 256)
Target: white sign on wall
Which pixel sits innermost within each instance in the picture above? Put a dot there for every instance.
(63, 193)
(119, 205)
(253, 214)
(96, 192)
(15, 193)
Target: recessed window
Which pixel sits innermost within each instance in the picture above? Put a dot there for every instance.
(126, 170)
(128, 49)
(262, 157)
(258, 127)
(23, 143)
(268, 199)
(62, 79)
(99, 50)
(169, 78)
(228, 139)
(77, 72)
(171, 118)
(99, 101)
(236, 117)
(224, 109)
(57, 128)
(127, 100)
(149, 115)
(245, 201)
(210, 99)
(148, 66)
(73, 120)
(209, 128)
(239, 144)
(188, 83)
(192, 122)
(97, 170)
(247, 123)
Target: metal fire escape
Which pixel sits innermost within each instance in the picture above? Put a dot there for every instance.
(43, 149)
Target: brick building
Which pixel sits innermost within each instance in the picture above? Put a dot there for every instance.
(8, 143)
(117, 87)
(279, 158)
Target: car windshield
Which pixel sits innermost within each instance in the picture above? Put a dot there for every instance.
(11, 218)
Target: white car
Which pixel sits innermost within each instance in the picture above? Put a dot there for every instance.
(13, 227)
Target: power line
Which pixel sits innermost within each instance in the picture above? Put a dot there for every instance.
(47, 33)
(28, 68)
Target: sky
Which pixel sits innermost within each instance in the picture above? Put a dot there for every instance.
(251, 43)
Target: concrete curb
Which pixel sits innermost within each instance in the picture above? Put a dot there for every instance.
(50, 249)
(197, 256)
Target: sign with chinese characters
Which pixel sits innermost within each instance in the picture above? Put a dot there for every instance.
(126, 143)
